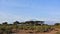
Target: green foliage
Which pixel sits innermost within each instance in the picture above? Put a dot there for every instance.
(42, 28)
(4, 29)
(57, 24)
(8, 28)
(37, 28)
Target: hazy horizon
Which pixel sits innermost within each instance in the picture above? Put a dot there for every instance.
(23, 10)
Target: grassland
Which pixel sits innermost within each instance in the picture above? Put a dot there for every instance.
(38, 29)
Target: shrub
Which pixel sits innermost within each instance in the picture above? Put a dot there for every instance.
(42, 28)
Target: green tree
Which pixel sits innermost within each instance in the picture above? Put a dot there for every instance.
(16, 22)
(57, 24)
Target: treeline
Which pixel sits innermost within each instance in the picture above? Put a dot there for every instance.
(35, 26)
(26, 23)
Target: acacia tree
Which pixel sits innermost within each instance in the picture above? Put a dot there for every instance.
(5, 23)
(16, 22)
(57, 24)
(35, 22)
(15, 25)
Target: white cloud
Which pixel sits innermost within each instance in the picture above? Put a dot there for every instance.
(4, 16)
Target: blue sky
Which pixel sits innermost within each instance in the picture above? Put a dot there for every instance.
(22, 10)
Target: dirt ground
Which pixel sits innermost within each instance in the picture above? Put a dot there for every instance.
(31, 32)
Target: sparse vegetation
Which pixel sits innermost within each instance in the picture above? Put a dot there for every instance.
(6, 28)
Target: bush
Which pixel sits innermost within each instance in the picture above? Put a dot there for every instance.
(43, 28)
